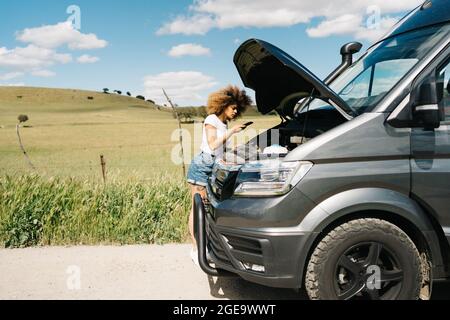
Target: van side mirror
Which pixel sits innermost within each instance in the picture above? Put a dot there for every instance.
(426, 103)
(425, 108)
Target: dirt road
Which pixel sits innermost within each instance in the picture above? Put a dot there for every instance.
(128, 272)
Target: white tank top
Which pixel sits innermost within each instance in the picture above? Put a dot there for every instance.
(221, 127)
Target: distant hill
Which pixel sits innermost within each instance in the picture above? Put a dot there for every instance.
(71, 100)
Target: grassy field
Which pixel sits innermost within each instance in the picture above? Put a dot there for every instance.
(67, 133)
(64, 201)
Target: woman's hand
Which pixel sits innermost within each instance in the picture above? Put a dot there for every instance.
(238, 128)
(211, 135)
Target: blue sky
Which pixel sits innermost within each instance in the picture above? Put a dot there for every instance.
(125, 44)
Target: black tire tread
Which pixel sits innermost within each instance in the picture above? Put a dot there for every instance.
(340, 233)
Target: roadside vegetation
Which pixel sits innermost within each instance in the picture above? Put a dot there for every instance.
(69, 211)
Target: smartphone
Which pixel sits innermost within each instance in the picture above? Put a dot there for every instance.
(248, 123)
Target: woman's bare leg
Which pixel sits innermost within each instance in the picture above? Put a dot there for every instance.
(202, 192)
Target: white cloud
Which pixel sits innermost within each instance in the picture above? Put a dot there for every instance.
(197, 24)
(189, 49)
(205, 15)
(183, 87)
(10, 76)
(19, 84)
(63, 33)
(373, 34)
(41, 50)
(341, 25)
(351, 24)
(31, 58)
(85, 58)
(43, 73)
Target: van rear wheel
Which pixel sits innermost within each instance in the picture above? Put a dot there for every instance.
(364, 259)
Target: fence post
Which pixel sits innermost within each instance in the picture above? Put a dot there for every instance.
(179, 127)
(103, 164)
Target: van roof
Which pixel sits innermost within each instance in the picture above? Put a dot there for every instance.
(431, 12)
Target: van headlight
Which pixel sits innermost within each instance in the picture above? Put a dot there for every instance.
(270, 177)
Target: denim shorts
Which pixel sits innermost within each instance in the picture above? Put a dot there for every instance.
(200, 169)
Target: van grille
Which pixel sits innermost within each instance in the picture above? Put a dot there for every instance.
(244, 245)
(240, 248)
(214, 245)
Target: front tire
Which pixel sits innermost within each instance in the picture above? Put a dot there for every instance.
(364, 259)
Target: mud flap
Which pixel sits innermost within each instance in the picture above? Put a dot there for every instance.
(426, 286)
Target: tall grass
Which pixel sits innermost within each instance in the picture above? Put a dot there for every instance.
(70, 211)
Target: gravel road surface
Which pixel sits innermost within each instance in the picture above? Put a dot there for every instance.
(126, 272)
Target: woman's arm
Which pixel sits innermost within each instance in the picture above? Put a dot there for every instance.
(211, 135)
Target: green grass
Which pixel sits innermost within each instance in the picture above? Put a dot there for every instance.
(64, 201)
(64, 211)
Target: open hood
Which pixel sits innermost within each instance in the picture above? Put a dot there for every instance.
(279, 80)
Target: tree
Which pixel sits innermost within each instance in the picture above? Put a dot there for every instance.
(201, 112)
(186, 116)
(140, 97)
(23, 118)
(118, 91)
(105, 90)
(129, 94)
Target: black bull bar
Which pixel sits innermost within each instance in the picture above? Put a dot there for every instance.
(200, 237)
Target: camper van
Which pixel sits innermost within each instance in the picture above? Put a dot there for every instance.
(358, 205)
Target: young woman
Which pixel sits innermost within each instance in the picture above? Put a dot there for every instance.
(223, 106)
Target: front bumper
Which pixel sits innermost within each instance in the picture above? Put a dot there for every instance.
(278, 254)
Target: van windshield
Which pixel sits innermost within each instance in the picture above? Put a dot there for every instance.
(364, 84)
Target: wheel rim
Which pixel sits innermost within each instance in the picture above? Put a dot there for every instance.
(368, 270)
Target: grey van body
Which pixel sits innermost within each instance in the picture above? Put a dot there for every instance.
(380, 164)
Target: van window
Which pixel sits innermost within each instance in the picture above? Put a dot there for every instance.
(388, 73)
(364, 84)
(375, 82)
(443, 76)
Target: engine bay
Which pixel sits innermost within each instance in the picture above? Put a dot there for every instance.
(287, 136)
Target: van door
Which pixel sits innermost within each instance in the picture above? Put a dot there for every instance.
(430, 161)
